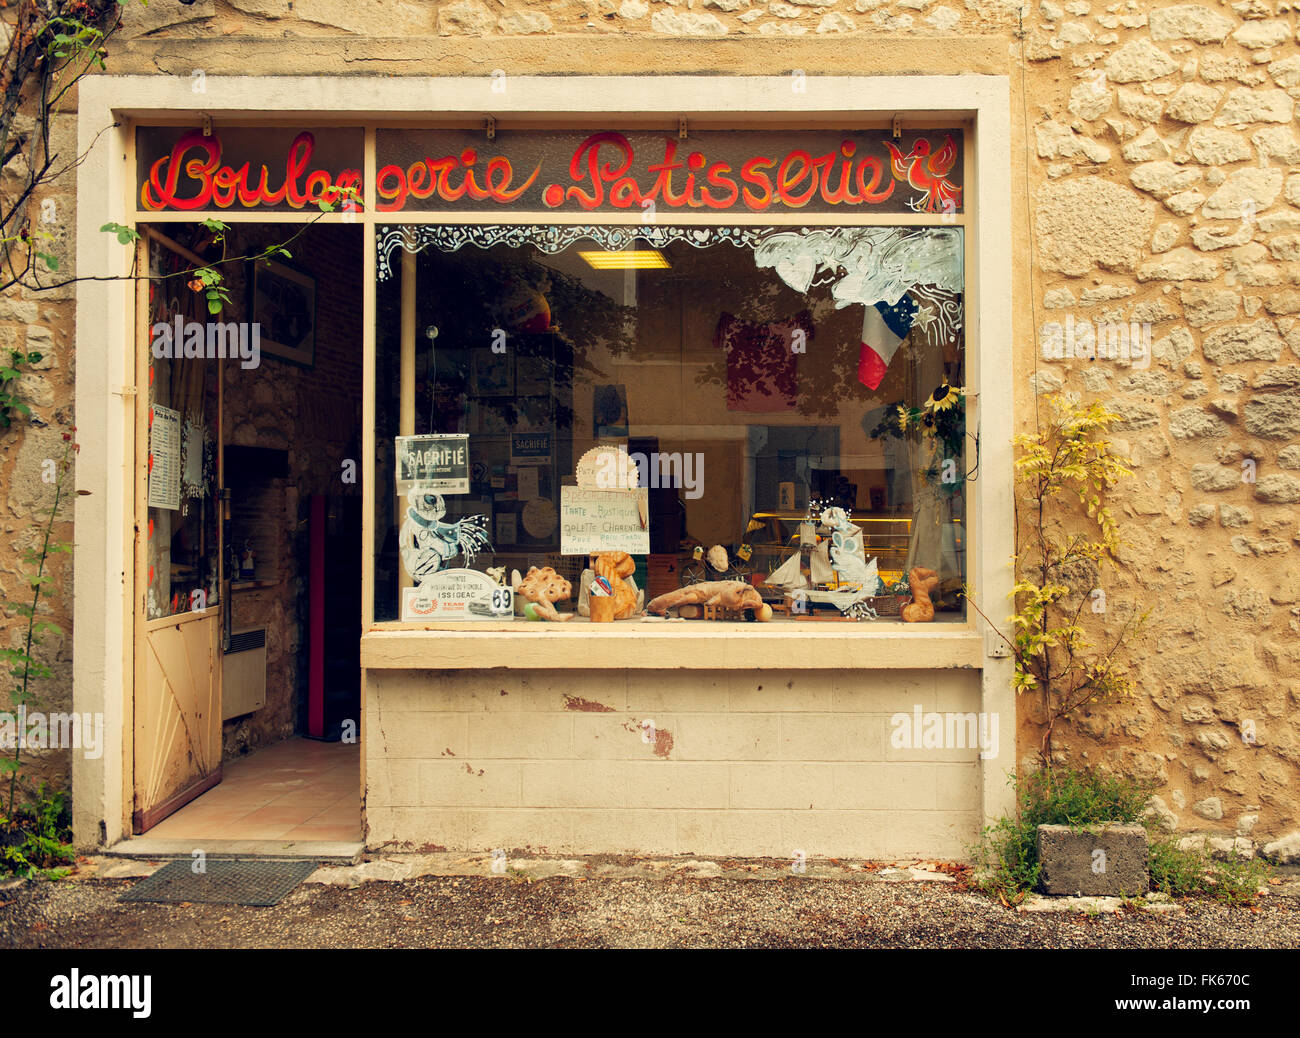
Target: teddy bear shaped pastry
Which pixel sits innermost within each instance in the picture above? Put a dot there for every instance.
(544, 587)
(922, 582)
(614, 566)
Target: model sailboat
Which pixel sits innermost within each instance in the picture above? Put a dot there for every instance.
(820, 562)
(789, 574)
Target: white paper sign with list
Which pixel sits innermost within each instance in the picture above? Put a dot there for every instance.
(603, 520)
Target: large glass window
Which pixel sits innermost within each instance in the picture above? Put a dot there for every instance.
(778, 406)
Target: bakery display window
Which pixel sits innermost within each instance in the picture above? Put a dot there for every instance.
(735, 424)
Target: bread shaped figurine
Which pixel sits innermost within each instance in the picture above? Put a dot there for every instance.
(922, 582)
(543, 587)
(729, 594)
(614, 566)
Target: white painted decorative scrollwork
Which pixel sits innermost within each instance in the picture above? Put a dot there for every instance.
(550, 238)
(864, 265)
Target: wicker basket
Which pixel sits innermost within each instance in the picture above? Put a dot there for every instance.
(886, 605)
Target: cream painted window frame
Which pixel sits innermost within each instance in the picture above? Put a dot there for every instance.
(813, 645)
(109, 108)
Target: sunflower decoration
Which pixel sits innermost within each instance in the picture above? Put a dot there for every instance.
(945, 398)
(939, 422)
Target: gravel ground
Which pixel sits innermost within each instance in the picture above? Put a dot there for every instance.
(564, 911)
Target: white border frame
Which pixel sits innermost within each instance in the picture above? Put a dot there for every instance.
(103, 639)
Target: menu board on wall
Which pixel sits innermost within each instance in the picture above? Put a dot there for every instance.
(164, 457)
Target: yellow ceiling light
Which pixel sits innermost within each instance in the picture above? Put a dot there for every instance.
(626, 259)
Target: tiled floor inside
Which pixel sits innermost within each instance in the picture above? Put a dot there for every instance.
(298, 789)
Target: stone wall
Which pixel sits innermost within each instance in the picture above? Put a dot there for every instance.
(1156, 179)
(1165, 192)
(42, 323)
(706, 18)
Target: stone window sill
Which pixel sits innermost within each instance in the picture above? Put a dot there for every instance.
(739, 646)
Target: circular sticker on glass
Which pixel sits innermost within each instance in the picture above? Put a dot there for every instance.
(539, 517)
(606, 468)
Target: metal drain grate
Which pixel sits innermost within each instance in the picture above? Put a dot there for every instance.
(255, 882)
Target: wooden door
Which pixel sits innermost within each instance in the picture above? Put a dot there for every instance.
(179, 579)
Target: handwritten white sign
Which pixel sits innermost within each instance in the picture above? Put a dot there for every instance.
(603, 520)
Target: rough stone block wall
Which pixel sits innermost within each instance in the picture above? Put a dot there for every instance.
(43, 323)
(1165, 191)
(713, 762)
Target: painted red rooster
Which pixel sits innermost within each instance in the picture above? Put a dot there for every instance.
(928, 173)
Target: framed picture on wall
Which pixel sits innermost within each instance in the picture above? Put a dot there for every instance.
(609, 411)
(492, 374)
(284, 307)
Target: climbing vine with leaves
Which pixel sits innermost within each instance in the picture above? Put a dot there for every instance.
(1064, 472)
(52, 44)
(33, 838)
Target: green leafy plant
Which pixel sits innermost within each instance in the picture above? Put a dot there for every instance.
(1065, 537)
(1006, 857)
(1237, 880)
(1081, 797)
(10, 403)
(125, 235)
(1006, 860)
(50, 45)
(1191, 872)
(209, 278)
(25, 667)
(33, 836)
(36, 840)
(1177, 872)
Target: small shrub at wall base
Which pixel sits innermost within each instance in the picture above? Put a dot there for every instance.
(34, 826)
(1006, 859)
(1189, 872)
(34, 840)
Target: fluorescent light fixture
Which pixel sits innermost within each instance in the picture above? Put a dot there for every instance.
(626, 259)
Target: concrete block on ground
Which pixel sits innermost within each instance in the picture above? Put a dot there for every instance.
(1099, 860)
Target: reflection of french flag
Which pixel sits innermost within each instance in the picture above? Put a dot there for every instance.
(883, 330)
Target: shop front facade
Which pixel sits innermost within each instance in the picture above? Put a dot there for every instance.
(727, 307)
(737, 308)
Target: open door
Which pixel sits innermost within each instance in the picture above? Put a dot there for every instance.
(180, 592)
